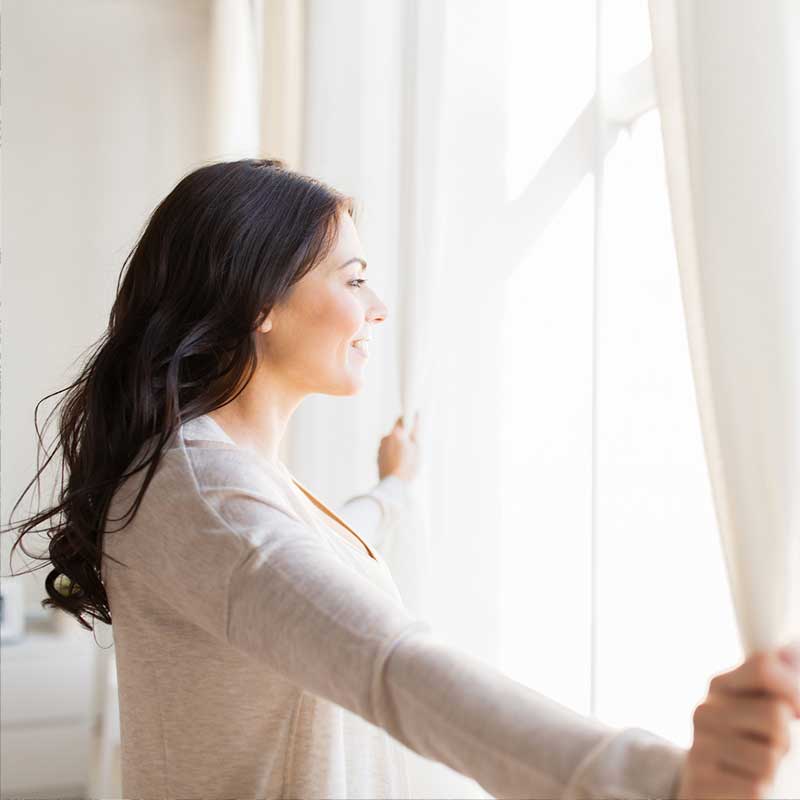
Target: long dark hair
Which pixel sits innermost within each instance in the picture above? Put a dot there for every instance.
(224, 246)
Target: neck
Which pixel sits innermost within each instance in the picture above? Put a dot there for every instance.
(258, 418)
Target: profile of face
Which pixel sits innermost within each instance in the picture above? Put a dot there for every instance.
(309, 337)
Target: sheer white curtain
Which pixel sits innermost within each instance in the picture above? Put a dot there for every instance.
(419, 198)
(727, 79)
(256, 61)
(233, 117)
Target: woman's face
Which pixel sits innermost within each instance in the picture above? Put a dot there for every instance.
(310, 341)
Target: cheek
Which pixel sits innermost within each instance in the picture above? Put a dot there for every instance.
(331, 318)
(341, 315)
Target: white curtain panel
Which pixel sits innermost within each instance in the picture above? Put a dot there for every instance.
(280, 27)
(420, 276)
(255, 80)
(729, 96)
(233, 118)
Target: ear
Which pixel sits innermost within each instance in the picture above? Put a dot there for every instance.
(266, 325)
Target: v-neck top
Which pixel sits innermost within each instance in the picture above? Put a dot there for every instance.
(328, 515)
(324, 514)
(261, 655)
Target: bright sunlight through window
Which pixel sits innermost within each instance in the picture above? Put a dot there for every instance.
(665, 621)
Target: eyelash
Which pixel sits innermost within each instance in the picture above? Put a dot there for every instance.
(359, 281)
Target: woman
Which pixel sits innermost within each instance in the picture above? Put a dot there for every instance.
(262, 648)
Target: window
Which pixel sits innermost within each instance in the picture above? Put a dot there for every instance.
(614, 593)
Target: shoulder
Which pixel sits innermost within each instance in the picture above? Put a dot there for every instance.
(207, 484)
(232, 483)
(211, 465)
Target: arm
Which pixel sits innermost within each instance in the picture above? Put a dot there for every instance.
(258, 578)
(374, 512)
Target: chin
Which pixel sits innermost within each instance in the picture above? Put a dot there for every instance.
(354, 387)
(351, 386)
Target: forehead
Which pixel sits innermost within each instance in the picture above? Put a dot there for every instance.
(347, 246)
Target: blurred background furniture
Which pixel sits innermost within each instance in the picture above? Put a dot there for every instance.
(104, 765)
(46, 683)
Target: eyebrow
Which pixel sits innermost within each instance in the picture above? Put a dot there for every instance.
(350, 261)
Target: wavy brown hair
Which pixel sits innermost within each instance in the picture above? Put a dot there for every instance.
(223, 247)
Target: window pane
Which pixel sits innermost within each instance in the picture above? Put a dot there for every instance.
(551, 73)
(545, 347)
(545, 426)
(665, 616)
(626, 35)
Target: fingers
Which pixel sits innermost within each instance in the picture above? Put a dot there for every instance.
(727, 785)
(762, 672)
(749, 758)
(767, 719)
(398, 429)
(400, 426)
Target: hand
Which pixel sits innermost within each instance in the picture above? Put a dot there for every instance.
(741, 730)
(398, 453)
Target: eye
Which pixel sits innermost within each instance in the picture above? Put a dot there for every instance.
(357, 282)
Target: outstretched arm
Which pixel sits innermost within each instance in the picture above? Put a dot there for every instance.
(262, 581)
(295, 606)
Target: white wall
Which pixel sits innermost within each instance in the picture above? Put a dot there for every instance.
(103, 111)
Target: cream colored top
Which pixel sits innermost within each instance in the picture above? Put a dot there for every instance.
(262, 654)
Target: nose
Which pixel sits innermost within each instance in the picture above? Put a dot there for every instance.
(377, 310)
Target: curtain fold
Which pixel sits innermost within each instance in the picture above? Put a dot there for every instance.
(281, 49)
(232, 123)
(256, 80)
(726, 77)
(420, 207)
(444, 551)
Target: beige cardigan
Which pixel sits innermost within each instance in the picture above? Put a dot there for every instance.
(262, 655)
